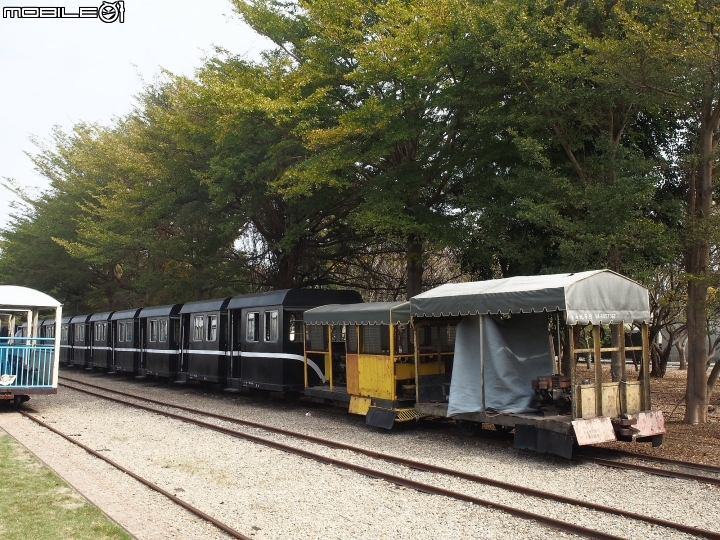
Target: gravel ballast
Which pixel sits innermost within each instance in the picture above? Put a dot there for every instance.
(267, 493)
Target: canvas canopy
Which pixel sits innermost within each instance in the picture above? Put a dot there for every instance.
(597, 296)
(495, 361)
(367, 313)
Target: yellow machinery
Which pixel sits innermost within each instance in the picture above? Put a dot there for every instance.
(367, 356)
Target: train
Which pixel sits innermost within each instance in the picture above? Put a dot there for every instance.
(525, 354)
(29, 350)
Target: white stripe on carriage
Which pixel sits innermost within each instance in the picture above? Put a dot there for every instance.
(286, 356)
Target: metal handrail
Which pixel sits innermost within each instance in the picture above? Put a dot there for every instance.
(26, 362)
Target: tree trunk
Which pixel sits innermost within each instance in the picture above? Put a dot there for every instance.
(698, 258)
(414, 265)
(713, 378)
(680, 346)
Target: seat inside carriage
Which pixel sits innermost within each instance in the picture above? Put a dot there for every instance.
(28, 356)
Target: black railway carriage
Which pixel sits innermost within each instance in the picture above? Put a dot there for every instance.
(66, 342)
(80, 329)
(47, 328)
(160, 340)
(267, 335)
(205, 343)
(126, 340)
(101, 352)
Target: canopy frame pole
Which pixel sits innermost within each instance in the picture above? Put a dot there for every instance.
(571, 352)
(304, 331)
(416, 354)
(482, 362)
(598, 369)
(328, 362)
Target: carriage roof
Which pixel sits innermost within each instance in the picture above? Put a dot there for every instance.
(597, 296)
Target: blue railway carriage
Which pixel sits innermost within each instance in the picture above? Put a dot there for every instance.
(28, 364)
(126, 340)
(66, 342)
(267, 337)
(205, 343)
(160, 335)
(80, 329)
(100, 327)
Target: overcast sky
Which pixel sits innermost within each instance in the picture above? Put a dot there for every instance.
(65, 71)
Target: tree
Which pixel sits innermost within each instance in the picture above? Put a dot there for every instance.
(673, 50)
(572, 183)
(387, 120)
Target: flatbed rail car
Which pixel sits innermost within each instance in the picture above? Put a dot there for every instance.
(28, 364)
(505, 370)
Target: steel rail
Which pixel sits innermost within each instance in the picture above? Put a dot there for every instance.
(388, 458)
(651, 470)
(219, 524)
(582, 457)
(665, 461)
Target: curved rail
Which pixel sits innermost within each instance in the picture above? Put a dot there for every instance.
(426, 488)
(199, 513)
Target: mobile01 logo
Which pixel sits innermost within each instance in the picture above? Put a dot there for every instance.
(108, 12)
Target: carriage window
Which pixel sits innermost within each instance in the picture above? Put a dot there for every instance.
(375, 339)
(271, 326)
(351, 339)
(121, 332)
(64, 334)
(211, 327)
(129, 331)
(252, 332)
(153, 330)
(100, 332)
(79, 333)
(163, 330)
(198, 328)
(176, 331)
(295, 326)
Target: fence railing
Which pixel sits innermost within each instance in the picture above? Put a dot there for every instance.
(26, 362)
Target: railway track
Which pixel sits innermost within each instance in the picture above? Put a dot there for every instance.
(398, 480)
(196, 511)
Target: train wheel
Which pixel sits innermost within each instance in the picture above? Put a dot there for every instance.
(468, 428)
(503, 429)
(292, 398)
(19, 400)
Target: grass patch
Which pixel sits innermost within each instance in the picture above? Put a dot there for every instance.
(37, 504)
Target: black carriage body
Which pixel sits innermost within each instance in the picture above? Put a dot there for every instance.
(126, 340)
(205, 351)
(66, 342)
(101, 342)
(267, 335)
(160, 340)
(81, 340)
(47, 328)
